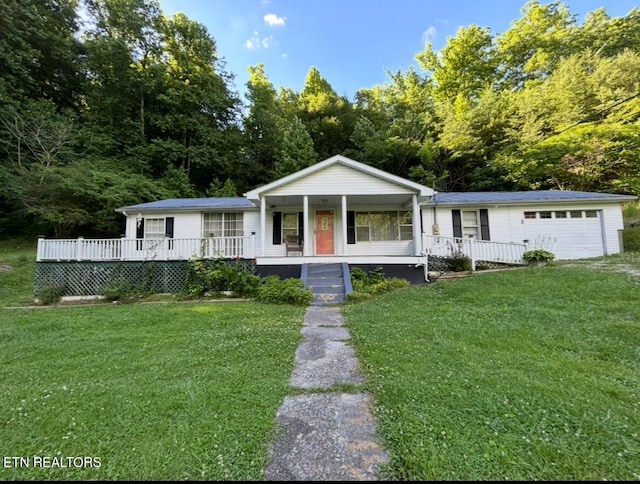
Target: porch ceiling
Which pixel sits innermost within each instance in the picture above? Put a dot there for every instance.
(336, 200)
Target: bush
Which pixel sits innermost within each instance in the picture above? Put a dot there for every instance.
(458, 263)
(631, 239)
(283, 291)
(388, 285)
(119, 290)
(375, 282)
(538, 255)
(52, 293)
(217, 275)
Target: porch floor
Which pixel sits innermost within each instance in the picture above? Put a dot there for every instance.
(336, 259)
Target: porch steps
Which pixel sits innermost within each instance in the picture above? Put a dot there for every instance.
(326, 282)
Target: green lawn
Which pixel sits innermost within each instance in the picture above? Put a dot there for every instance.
(522, 375)
(164, 391)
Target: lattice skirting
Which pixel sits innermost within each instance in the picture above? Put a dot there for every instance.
(89, 278)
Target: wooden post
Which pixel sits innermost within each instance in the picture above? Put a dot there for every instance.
(40, 248)
(79, 248)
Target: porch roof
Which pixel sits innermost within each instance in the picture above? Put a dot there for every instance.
(420, 190)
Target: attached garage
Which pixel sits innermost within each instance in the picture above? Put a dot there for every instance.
(574, 234)
(572, 225)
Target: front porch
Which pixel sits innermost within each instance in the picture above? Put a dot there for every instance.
(168, 249)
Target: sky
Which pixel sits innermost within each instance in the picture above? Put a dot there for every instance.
(352, 43)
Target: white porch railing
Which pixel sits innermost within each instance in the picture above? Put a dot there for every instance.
(484, 250)
(145, 249)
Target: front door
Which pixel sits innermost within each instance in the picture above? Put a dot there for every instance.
(324, 232)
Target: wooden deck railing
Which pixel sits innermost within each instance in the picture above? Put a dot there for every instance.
(476, 250)
(81, 249)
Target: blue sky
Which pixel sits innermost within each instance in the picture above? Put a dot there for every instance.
(351, 42)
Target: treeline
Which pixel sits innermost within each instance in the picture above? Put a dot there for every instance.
(105, 103)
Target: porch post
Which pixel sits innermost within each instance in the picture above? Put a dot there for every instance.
(263, 224)
(305, 216)
(344, 225)
(417, 238)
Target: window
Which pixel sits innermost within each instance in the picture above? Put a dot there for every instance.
(545, 214)
(576, 213)
(154, 228)
(561, 214)
(289, 225)
(530, 215)
(379, 226)
(591, 213)
(222, 225)
(470, 226)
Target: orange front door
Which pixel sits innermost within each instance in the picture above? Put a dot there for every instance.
(324, 232)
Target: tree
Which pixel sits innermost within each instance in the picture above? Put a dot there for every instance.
(263, 124)
(464, 67)
(297, 150)
(327, 116)
(535, 43)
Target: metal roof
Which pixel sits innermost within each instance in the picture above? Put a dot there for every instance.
(215, 203)
(503, 198)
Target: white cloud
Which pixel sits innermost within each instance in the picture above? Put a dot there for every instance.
(429, 35)
(256, 42)
(272, 20)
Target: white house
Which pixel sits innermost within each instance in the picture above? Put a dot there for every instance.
(340, 210)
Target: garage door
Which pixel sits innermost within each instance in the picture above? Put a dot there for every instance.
(569, 234)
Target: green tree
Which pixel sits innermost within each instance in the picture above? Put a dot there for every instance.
(297, 150)
(464, 66)
(328, 117)
(263, 125)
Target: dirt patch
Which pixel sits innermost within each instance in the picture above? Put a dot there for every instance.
(607, 265)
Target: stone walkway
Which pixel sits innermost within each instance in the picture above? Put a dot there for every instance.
(325, 435)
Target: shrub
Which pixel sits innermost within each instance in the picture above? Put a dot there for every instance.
(388, 285)
(52, 293)
(538, 255)
(375, 282)
(458, 263)
(216, 275)
(283, 291)
(631, 238)
(119, 290)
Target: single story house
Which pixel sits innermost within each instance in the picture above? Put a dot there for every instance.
(341, 210)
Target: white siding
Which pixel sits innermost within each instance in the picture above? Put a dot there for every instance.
(338, 180)
(186, 225)
(251, 223)
(388, 248)
(567, 238)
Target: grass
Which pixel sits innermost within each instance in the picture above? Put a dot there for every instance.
(16, 285)
(154, 392)
(522, 375)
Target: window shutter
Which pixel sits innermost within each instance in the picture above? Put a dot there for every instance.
(168, 227)
(484, 224)
(277, 228)
(457, 223)
(140, 229)
(300, 227)
(351, 227)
